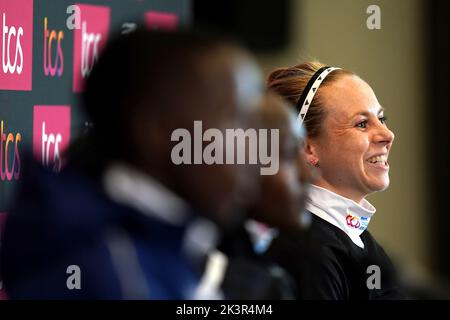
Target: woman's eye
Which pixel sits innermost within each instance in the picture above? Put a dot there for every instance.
(362, 124)
(383, 120)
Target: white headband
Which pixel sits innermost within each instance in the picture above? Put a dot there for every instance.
(310, 90)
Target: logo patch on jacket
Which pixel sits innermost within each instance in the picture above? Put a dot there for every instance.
(356, 222)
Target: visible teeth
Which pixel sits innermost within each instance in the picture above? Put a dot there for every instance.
(378, 159)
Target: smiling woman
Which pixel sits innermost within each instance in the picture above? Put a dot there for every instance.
(348, 140)
(352, 152)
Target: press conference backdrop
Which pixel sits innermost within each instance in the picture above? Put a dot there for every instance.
(47, 48)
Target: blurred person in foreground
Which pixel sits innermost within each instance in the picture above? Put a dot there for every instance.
(349, 142)
(278, 209)
(132, 223)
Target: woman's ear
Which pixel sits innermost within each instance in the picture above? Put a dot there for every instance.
(311, 151)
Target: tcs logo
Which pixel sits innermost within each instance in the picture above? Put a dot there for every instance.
(51, 134)
(88, 41)
(16, 42)
(360, 223)
(352, 221)
(55, 66)
(9, 154)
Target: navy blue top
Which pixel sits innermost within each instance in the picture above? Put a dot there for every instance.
(66, 219)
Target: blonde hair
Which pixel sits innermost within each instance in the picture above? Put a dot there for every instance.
(290, 82)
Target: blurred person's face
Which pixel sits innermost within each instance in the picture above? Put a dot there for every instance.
(225, 96)
(353, 149)
(283, 194)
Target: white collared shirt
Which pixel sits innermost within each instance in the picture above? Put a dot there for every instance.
(133, 188)
(351, 217)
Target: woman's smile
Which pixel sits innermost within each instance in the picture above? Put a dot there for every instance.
(379, 162)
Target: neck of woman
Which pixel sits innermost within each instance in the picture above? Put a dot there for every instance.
(344, 192)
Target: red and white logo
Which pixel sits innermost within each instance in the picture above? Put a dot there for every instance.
(51, 134)
(89, 40)
(161, 20)
(16, 44)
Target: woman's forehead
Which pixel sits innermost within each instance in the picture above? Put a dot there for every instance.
(350, 96)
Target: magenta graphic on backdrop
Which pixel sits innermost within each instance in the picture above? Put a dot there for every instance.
(161, 20)
(51, 134)
(16, 44)
(89, 39)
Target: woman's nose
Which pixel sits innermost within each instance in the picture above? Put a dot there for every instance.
(384, 135)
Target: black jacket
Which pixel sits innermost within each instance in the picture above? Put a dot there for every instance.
(326, 264)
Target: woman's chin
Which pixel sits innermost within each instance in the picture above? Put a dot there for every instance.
(380, 184)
